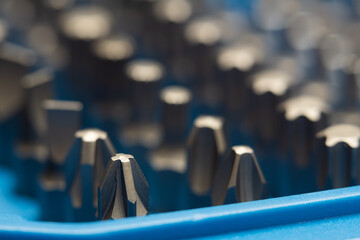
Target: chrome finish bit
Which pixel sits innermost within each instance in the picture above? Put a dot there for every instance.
(145, 76)
(39, 87)
(123, 190)
(112, 53)
(205, 145)
(15, 62)
(64, 118)
(239, 170)
(175, 101)
(84, 166)
(236, 62)
(340, 148)
(304, 117)
(343, 73)
(270, 87)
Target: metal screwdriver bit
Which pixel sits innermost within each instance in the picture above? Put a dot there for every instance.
(15, 62)
(112, 53)
(304, 116)
(205, 145)
(340, 154)
(39, 87)
(343, 74)
(123, 190)
(64, 118)
(175, 101)
(80, 27)
(237, 62)
(84, 166)
(240, 170)
(145, 76)
(270, 87)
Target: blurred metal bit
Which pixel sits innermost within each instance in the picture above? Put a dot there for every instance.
(123, 190)
(15, 62)
(205, 145)
(84, 166)
(169, 158)
(304, 33)
(175, 113)
(63, 120)
(171, 16)
(112, 53)
(86, 23)
(270, 87)
(176, 11)
(304, 117)
(237, 61)
(340, 148)
(343, 76)
(240, 170)
(39, 87)
(145, 76)
(114, 47)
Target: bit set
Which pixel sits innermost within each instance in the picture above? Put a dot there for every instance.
(152, 113)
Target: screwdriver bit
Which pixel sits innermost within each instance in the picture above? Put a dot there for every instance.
(84, 166)
(168, 161)
(79, 28)
(343, 74)
(39, 87)
(206, 144)
(270, 87)
(340, 154)
(172, 16)
(239, 170)
(145, 76)
(63, 120)
(123, 190)
(203, 35)
(304, 116)
(175, 102)
(112, 53)
(15, 62)
(236, 62)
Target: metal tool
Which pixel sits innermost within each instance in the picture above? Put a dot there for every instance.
(339, 155)
(175, 112)
(236, 63)
(206, 144)
(112, 53)
(63, 119)
(123, 190)
(270, 87)
(145, 76)
(239, 170)
(305, 116)
(84, 167)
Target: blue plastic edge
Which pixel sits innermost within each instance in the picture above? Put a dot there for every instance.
(196, 223)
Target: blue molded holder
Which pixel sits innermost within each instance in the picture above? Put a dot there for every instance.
(333, 214)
